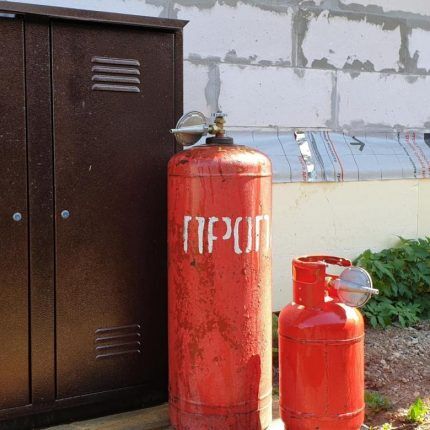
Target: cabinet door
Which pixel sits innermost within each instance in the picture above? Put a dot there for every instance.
(14, 324)
(113, 106)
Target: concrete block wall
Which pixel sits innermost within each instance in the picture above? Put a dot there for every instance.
(330, 64)
(338, 64)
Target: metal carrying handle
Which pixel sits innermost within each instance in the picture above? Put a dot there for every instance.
(316, 265)
(329, 259)
(352, 287)
(306, 262)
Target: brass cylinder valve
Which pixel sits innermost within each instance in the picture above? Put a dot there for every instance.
(194, 125)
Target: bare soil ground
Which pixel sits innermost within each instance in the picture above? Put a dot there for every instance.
(398, 367)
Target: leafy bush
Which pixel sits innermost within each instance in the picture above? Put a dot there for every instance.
(402, 275)
(418, 411)
(377, 402)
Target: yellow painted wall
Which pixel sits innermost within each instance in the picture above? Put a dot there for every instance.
(342, 219)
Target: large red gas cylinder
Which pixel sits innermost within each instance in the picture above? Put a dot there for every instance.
(219, 214)
(321, 350)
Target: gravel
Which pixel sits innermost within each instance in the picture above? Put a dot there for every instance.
(398, 366)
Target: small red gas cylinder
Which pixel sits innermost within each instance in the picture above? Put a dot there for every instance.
(321, 347)
(219, 214)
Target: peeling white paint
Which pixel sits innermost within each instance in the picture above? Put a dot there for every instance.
(245, 240)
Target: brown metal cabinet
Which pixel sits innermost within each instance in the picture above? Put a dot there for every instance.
(87, 101)
(14, 291)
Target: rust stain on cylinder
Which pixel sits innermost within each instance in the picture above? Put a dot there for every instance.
(220, 289)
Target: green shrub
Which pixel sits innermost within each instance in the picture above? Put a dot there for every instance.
(418, 411)
(377, 402)
(402, 275)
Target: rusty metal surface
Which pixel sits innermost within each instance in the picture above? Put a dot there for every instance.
(111, 151)
(14, 353)
(219, 289)
(317, 328)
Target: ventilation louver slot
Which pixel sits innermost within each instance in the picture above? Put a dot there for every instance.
(117, 341)
(115, 74)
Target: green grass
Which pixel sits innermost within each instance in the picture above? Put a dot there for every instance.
(377, 402)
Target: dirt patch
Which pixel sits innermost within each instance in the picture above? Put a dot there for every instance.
(398, 367)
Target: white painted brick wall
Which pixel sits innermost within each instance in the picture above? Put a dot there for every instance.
(248, 31)
(383, 99)
(195, 81)
(411, 6)
(343, 41)
(274, 95)
(419, 42)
